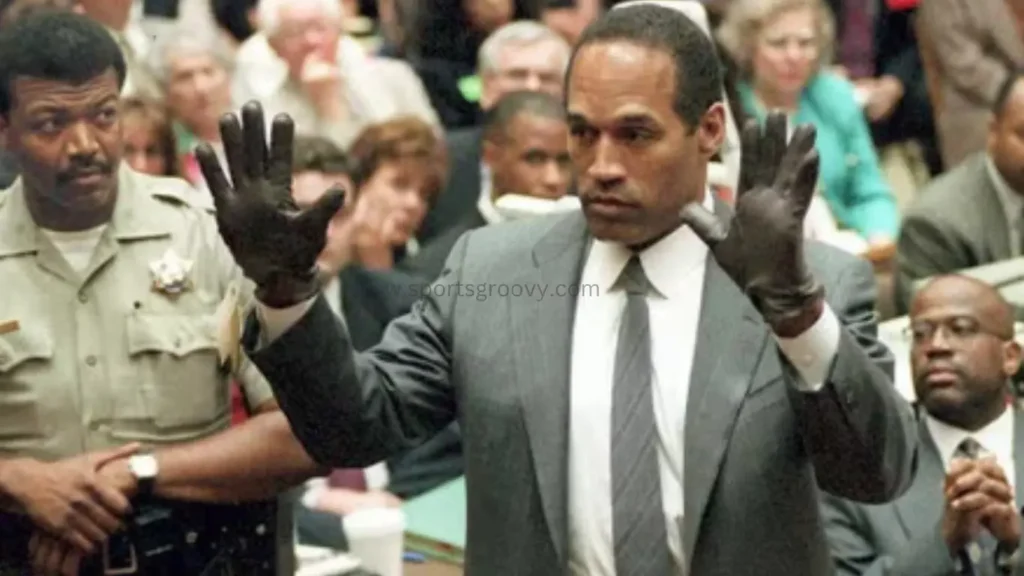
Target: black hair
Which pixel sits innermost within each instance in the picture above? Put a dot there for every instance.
(513, 104)
(698, 69)
(318, 154)
(1004, 92)
(55, 45)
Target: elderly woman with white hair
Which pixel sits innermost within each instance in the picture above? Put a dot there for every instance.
(781, 48)
(195, 70)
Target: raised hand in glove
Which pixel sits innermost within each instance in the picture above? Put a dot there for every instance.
(274, 242)
(762, 247)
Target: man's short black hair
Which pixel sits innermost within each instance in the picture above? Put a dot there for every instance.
(55, 45)
(319, 154)
(698, 69)
(513, 104)
(1005, 90)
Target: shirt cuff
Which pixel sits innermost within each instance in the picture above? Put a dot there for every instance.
(813, 351)
(276, 321)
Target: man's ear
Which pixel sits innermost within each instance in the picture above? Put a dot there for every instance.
(711, 130)
(489, 152)
(1011, 358)
(3, 131)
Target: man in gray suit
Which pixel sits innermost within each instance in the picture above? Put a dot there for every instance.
(962, 357)
(675, 398)
(974, 214)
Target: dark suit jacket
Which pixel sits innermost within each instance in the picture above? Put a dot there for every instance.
(756, 448)
(429, 261)
(956, 222)
(460, 196)
(902, 538)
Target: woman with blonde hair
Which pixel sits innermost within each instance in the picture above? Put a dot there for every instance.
(782, 49)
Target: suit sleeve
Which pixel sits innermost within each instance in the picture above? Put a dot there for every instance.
(353, 409)
(958, 48)
(858, 431)
(854, 552)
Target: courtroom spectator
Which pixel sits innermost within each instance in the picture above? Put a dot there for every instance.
(525, 151)
(135, 43)
(977, 44)
(367, 300)
(302, 64)
(571, 17)
(897, 100)
(11, 10)
(781, 48)
(523, 55)
(235, 17)
(149, 145)
(974, 214)
(962, 356)
(194, 71)
(398, 169)
(443, 43)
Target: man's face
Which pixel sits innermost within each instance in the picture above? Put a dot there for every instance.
(197, 89)
(305, 32)
(1006, 139)
(537, 67)
(636, 161)
(67, 138)
(531, 158)
(962, 352)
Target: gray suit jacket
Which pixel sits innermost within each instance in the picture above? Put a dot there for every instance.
(902, 538)
(956, 222)
(755, 448)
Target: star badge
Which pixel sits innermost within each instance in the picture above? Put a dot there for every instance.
(171, 274)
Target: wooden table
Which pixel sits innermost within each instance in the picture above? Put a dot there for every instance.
(431, 568)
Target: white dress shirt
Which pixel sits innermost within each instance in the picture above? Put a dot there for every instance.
(996, 440)
(675, 267)
(485, 204)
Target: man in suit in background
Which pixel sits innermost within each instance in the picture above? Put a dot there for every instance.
(974, 214)
(962, 357)
(523, 55)
(621, 422)
(366, 301)
(526, 152)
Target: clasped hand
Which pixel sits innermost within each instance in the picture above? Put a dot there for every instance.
(75, 504)
(979, 497)
(762, 247)
(274, 242)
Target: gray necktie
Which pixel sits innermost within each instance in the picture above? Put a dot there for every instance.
(979, 555)
(638, 518)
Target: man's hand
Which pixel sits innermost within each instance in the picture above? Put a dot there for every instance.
(762, 248)
(274, 243)
(885, 95)
(965, 505)
(68, 499)
(53, 557)
(1000, 516)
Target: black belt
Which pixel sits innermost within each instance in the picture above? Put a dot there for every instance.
(167, 538)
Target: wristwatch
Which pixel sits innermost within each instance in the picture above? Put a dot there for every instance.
(145, 469)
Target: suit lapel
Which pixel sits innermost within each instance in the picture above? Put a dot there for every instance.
(731, 341)
(997, 236)
(921, 507)
(542, 328)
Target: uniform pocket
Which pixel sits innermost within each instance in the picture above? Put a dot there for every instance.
(25, 360)
(183, 384)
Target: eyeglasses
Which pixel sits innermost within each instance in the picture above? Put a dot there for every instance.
(955, 328)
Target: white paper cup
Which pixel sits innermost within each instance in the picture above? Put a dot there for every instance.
(377, 537)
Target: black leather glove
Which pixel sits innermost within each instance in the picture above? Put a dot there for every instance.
(274, 242)
(762, 248)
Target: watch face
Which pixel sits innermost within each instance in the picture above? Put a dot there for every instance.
(143, 466)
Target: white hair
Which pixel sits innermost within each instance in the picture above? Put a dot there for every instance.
(519, 32)
(187, 42)
(268, 12)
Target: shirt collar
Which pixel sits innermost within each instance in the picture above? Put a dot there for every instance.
(1011, 201)
(485, 204)
(667, 263)
(996, 438)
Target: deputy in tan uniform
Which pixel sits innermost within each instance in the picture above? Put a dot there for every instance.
(118, 321)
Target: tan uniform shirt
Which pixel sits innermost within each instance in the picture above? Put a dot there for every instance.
(105, 357)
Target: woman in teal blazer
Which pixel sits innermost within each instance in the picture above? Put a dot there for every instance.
(781, 47)
(851, 180)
